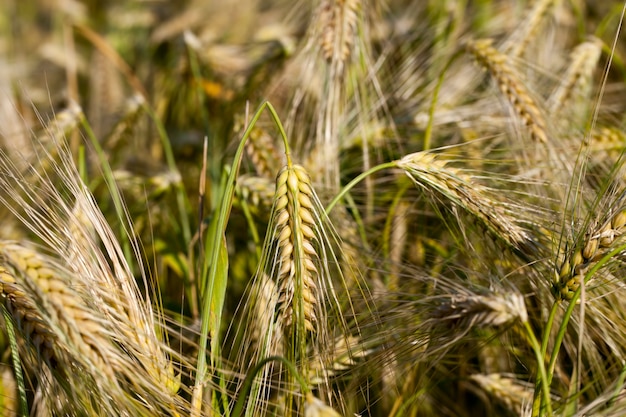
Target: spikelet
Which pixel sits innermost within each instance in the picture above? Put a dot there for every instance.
(297, 257)
(8, 393)
(256, 191)
(265, 297)
(123, 128)
(62, 125)
(37, 291)
(608, 138)
(263, 153)
(339, 22)
(514, 394)
(460, 189)
(491, 310)
(85, 308)
(528, 29)
(346, 353)
(571, 271)
(511, 86)
(575, 83)
(607, 141)
(314, 407)
(292, 306)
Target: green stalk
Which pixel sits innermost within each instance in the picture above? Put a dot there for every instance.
(247, 383)
(356, 180)
(543, 377)
(568, 314)
(82, 164)
(544, 351)
(17, 366)
(572, 304)
(115, 193)
(358, 220)
(215, 267)
(548, 327)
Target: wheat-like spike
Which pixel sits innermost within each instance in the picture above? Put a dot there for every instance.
(346, 353)
(511, 86)
(298, 257)
(107, 93)
(570, 273)
(491, 310)
(64, 332)
(65, 327)
(511, 392)
(63, 123)
(297, 272)
(339, 22)
(607, 138)
(605, 146)
(120, 302)
(314, 407)
(528, 29)
(40, 298)
(256, 191)
(96, 269)
(461, 189)
(8, 392)
(123, 128)
(265, 298)
(263, 153)
(576, 81)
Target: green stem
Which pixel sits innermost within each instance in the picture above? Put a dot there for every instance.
(214, 285)
(125, 231)
(544, 351)
(17, 366)
(568, 314)
(356, 180)
(541, 366)
(572, 304)
(548, 327)
(247, 383)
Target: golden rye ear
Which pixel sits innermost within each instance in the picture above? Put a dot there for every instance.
(511, 86)
(91, 338)
(294, 226)
(297, 301)
(433, 174)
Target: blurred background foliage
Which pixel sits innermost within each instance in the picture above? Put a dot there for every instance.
(154, 78)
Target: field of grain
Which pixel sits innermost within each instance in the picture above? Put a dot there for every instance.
(234, 208)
